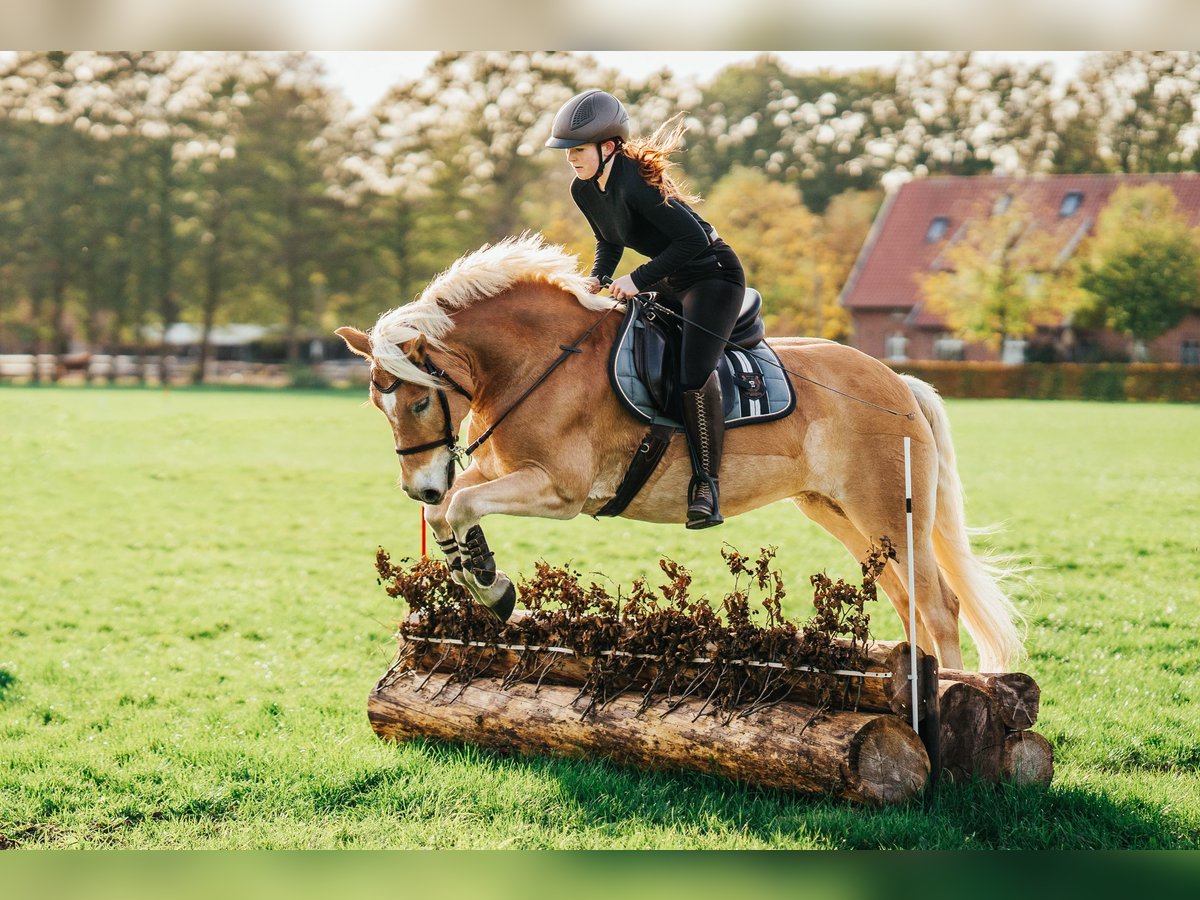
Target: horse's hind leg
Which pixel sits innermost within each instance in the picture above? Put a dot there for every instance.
(830, 516)
(937, 607)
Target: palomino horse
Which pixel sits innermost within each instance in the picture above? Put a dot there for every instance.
(487, 329)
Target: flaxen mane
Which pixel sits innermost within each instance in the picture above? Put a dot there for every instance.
(490, 270)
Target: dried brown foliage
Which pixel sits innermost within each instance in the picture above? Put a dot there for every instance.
(660, 641)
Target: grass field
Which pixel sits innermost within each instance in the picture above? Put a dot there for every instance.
(190, 624)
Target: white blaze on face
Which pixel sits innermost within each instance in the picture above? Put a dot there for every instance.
(388, 402)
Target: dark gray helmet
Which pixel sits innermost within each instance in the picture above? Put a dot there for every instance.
(589, 118)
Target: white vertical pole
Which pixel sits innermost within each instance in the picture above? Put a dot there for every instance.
(912, 593)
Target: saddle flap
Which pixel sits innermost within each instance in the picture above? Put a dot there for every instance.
(651, 358)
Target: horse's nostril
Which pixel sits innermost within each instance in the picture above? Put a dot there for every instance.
(431, 496)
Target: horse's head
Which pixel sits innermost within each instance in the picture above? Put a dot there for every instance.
(424, 411)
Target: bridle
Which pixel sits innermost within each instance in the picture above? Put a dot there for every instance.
(448, 439)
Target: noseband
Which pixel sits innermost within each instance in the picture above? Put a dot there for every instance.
(449, 439)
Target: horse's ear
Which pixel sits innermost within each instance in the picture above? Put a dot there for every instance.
(358, 341)
(416, 349)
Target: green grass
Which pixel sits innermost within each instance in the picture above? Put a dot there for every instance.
(190, 625)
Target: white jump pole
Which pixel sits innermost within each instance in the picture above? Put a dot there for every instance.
(912, 593)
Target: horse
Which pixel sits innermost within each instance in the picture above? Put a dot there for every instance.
(488, 328)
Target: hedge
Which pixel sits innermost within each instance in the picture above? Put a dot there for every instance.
(1061, 381)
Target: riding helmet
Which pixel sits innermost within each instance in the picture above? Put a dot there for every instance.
(592, 117)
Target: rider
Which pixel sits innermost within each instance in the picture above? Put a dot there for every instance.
(626, 191)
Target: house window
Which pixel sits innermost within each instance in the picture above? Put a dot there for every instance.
(1003, 202)
(895, 348)
(1071, 202)
(937, 229)
(1189, 353)
(949, 347)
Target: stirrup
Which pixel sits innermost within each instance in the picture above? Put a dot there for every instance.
(701, 514)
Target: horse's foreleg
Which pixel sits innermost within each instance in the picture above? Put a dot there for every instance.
(435, 518)
(526, 492)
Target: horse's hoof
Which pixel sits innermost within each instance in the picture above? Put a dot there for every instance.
(504, 606)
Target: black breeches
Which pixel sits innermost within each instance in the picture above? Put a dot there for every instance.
(713, 306)
(709, 293)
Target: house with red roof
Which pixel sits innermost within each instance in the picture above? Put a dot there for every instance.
(919, 221)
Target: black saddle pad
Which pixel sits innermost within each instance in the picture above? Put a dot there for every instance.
(754, 385)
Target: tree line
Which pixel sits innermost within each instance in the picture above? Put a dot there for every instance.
(141, 189)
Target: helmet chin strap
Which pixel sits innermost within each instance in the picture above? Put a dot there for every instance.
(604, 160)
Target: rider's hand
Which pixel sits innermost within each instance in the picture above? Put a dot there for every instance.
(623, 288)
(593, 285)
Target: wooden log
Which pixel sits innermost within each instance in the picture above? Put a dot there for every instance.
(971, 733)
(871, 694)
(1026, 758)
(864, 757)
(1016, 696)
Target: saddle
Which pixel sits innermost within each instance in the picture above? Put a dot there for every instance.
(644, 368)
(643, 371)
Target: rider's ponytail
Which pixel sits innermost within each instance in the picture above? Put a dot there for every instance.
(652, 155)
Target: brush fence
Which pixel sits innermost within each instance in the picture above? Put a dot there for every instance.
(854, 741)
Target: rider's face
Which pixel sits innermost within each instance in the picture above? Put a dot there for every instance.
(584, 160)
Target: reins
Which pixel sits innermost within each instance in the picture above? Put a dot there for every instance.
(567, 351)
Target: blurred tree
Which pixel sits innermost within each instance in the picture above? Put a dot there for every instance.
(963, 116)
(394, 183)
(286, 153)
(775, 237)
(155, 98)
(844, 228)
(1143, 266)
(226, 186)
(482, 118)
(806, 129)
(1131, 111)
(42, 106)
(798, 261)
(996, 279)
(828, 133)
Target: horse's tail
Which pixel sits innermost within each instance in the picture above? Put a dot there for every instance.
(986, 609)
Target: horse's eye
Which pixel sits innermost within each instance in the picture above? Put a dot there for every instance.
(421, 405)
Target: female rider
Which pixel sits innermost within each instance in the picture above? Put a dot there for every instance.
(625, 190)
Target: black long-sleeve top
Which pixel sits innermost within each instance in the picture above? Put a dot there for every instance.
(631, 213)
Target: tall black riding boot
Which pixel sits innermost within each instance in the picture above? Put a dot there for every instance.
(704, 425)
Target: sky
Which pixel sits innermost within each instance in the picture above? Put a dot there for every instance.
(365, 76)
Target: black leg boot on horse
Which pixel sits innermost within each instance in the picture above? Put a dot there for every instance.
(704, 425)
